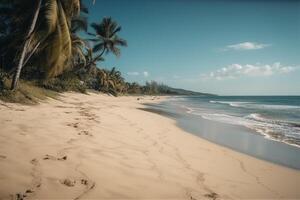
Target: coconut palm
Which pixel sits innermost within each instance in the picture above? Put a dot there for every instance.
(92, 60)
(106, 38)
(14, 15)
(105, 81)
(56, 49)
(118, 80)
(48, 34)
(79, 45)
(28, 39)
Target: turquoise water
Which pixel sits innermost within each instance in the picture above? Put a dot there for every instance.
(267, 127)
(275, 117)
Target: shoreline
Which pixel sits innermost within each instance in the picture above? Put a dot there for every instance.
(235, 137)
(174, 115)
(110, 148)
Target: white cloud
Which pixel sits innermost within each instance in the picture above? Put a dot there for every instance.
(133, 73)
(237, 70)
(146, 74)
(246, 46)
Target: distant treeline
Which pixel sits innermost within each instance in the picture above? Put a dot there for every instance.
(154, 88)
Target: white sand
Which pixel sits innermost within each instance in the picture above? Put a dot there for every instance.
(100, 147)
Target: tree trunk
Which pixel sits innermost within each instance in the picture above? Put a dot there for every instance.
(95, 59)
(27, 58)
(27, 41)
(31, 53)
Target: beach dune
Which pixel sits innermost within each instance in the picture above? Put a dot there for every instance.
(100, 147)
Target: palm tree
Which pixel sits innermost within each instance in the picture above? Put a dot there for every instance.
(26, 44)
(48, 35)
(14, 17)
(118, 80)
(56, 51)
(79, 45)
(106, 37)
(91, 60)
(105, 81)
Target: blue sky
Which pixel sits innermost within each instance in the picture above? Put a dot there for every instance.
(246, 47)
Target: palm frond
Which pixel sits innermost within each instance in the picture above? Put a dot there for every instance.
(79, 23)
(116, 30)
(120, 41)
(98, 47)
(51, 14)
(106, 35)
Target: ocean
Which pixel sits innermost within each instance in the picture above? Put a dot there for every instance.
(267, 127)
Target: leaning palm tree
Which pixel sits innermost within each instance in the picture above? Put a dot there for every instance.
(56, 35)
(49, 35)
(27, 41)
(89, 73)
(91, 60)
(106, 38)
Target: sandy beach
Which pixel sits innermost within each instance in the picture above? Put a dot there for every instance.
(101, 147)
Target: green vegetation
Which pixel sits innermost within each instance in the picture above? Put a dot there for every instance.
(154, 88)
(41, 52)
(27, 93)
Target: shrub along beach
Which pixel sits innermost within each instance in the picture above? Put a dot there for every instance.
(71, 129)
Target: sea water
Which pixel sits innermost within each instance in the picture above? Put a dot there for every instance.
(267, 127)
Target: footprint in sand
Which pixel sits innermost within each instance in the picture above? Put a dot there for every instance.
(22, 196)
(74, 125)
(87, 184)
(49, 157)
(84, 182)
(19, 196)
(68, 182)
(212, 195)
(62, 158)
(36, 180)
(37, 175)
(85, 133)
